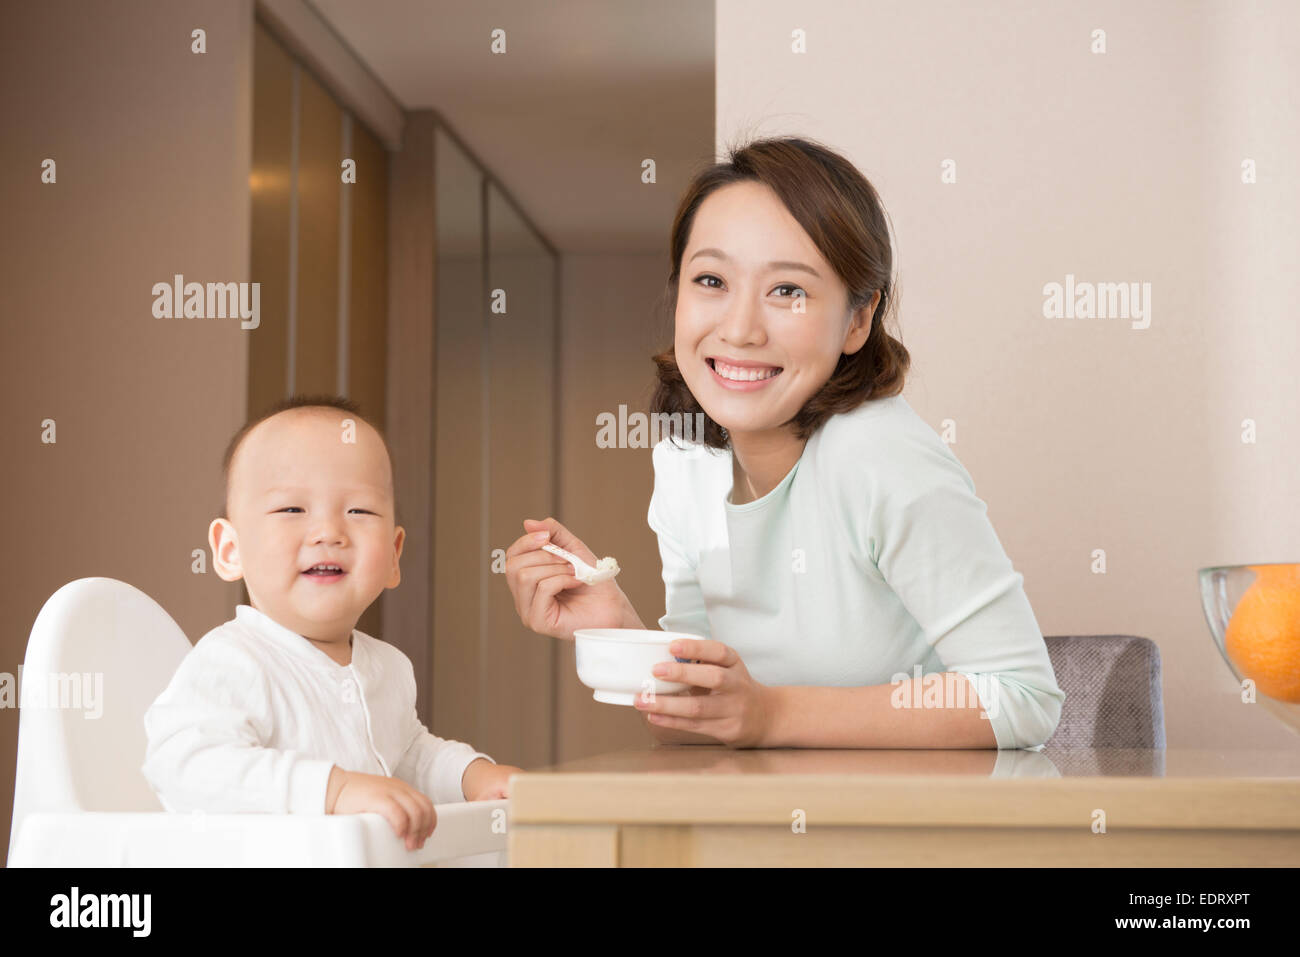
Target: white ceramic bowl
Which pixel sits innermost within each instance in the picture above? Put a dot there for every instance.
(616, 663)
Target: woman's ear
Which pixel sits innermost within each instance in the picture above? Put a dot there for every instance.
(860, 326)
(224, 543)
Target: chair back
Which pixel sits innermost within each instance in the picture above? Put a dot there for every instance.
(1112, 692)
(100, 652)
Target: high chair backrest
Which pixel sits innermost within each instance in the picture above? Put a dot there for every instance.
(100, 652)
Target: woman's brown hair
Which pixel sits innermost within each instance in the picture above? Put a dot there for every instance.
(840, 211)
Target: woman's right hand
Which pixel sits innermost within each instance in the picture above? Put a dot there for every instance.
(548, 598)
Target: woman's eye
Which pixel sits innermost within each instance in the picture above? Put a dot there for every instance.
(703, 280)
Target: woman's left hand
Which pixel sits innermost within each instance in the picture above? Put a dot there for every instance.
(736, 709)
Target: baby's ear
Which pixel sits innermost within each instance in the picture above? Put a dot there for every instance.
(225, 550)
(399, 539)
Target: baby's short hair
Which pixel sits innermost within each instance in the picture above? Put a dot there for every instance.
(284, 405)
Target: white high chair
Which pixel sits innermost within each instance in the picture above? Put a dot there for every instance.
(80, 799)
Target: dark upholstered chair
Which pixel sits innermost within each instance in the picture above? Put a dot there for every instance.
(1112, 691)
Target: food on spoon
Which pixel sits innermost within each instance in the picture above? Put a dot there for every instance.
(606, 569)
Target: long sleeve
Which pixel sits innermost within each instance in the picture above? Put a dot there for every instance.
(934, 545)
(430, 764)
(683, 599)
(205, 742)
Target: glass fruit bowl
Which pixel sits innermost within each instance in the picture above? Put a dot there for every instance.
(1254, 615)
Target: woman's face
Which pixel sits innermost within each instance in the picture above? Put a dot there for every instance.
(762, 319)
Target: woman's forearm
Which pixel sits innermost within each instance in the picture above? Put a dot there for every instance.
(872, 717)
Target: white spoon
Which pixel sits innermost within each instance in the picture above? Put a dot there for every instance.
(605, 569)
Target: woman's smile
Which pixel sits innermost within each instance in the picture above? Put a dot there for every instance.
(739, 375)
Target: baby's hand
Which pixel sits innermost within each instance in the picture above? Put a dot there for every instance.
(485, 781)
(410, 813)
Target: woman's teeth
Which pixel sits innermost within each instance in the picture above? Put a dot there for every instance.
(737, 374)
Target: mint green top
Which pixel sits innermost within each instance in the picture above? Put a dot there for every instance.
(872, 555)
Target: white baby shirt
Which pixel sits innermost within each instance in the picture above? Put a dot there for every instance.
(256, 717)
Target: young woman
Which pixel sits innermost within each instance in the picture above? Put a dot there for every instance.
(822, 539)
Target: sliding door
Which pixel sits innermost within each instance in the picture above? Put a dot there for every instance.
(319, 192)
(494, 460)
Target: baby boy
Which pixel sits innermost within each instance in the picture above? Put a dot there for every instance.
(287, 708)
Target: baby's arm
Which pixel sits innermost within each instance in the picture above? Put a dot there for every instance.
(205, 742)
(436, 766)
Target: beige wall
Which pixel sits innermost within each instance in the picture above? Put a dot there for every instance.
(151, 143)
(1080, 434)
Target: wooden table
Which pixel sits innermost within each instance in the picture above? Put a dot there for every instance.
(690, 805)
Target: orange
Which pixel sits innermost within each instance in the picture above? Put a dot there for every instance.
(1263, 635)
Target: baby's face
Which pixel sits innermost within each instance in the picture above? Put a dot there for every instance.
(307, 489)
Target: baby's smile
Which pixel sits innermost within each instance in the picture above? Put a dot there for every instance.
(325, 572)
